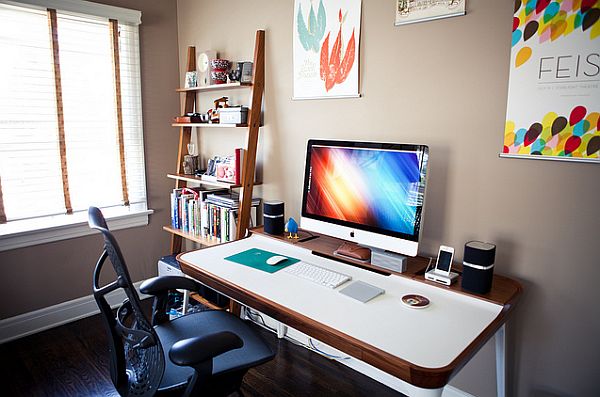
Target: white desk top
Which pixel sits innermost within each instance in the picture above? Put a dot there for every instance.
(431, 337)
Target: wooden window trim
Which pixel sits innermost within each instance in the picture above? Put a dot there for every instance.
(114, 36)
(2, 213)
(53, 26)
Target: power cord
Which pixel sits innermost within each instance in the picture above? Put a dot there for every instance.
(326, 355)
(429, 264)
(255, 316)
(251, 313)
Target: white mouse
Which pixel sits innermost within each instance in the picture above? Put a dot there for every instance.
(276, 259)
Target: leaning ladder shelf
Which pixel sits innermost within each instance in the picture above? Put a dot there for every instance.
(248, 168)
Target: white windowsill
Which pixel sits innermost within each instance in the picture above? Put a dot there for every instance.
(18, 234)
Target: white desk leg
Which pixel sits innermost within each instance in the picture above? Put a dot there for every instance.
(186, 302)
(281, 330)
(501, 362)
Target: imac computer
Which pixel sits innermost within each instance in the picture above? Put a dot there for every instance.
(369, 193)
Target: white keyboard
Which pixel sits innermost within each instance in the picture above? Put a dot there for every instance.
(316, 274)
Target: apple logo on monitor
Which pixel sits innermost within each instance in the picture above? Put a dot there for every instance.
(352, 234)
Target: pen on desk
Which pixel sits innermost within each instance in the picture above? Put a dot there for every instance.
(307, 239)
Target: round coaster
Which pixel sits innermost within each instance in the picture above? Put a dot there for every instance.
(415, 301)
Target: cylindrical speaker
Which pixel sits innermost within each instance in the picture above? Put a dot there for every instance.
(478, 267)
(273, 217)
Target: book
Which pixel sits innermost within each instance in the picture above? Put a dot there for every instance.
(226, 169)
(229, 200)
(220, 223)
(239, 164)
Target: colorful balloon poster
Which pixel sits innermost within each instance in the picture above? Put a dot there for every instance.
(554, 86)
(326, 46)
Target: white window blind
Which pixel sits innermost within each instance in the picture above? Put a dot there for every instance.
(29, 156)
(30, 162)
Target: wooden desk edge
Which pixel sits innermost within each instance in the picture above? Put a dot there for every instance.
(430, 378)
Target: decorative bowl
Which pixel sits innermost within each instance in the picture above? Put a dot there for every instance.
(219, 77)
(219, 65)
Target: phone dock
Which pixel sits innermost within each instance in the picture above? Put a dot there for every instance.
(437, 277)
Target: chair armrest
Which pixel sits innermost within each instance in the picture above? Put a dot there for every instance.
(157, 285)
(193, 351)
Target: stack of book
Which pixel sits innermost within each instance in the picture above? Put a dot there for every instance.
(220, 214)
(208, 213)
(185, 207)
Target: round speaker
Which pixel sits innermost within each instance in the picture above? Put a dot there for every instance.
(478, 267)
(273, 218)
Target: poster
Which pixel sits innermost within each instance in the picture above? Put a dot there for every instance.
(412, 11)
(554, 86)
(326, 48)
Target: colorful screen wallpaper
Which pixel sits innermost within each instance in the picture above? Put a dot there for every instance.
(377, 188)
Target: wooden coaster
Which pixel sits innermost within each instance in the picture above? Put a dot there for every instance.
(415, 301)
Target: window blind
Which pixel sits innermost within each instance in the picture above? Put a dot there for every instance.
(30, 158)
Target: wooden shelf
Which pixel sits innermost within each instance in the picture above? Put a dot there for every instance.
(205, 302)
(215, 87)
(197, 179)
(198, 239)
(209, 125)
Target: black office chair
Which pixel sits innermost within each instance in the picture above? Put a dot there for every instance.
(205, 353)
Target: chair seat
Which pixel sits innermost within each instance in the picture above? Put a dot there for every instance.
(254, 352)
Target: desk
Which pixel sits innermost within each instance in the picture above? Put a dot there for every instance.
(424, 348)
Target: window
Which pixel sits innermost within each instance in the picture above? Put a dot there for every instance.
(70, 119)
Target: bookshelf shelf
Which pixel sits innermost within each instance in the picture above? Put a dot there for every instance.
(198, 239)
(209, 125)
(215, 87)
(197, 179)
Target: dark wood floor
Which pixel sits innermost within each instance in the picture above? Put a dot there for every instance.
(71, 360)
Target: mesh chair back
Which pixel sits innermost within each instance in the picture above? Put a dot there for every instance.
(137, 361)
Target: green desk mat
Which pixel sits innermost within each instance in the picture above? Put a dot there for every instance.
(257, 259)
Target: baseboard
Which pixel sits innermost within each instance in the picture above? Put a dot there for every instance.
(49, 317)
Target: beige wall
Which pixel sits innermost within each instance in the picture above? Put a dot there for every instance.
(443, 84)
(44, 275)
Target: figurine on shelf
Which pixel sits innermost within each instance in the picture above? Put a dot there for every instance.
(291, 227)
(190, 160)
(213, 113)
(235, 74)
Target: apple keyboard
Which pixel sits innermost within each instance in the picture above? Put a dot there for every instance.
(317, 274)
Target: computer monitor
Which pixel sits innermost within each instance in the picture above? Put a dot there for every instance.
(370, 193)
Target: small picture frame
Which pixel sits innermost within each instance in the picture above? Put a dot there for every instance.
(246, 76)
(191, 79)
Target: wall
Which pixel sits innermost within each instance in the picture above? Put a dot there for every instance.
(44, 275)
(444, 84)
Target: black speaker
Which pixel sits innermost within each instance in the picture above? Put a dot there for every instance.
(478, 267)
(273, 218)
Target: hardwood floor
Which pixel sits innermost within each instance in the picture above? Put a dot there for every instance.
(71, 360)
